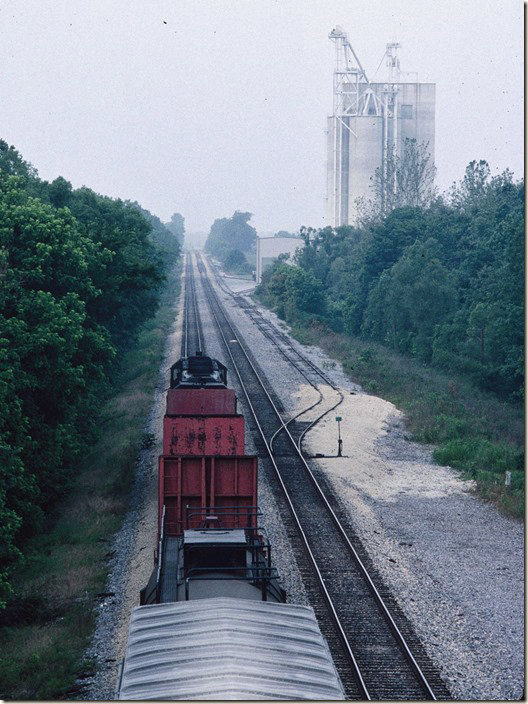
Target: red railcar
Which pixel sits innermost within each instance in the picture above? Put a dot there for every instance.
(203, 470)
(225, 487)
(208, 529)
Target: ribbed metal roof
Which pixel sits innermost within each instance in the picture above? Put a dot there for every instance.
(225, 648)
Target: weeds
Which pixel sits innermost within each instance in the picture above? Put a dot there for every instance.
(473, 431)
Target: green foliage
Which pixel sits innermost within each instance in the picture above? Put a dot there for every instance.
(11, 163)
(132, 273)
(293, 292)
(410, 300)
(167, 239)
(79, 275)
(228, 234)
(176, 226)
(236, 263)
(49, 620)
(444, 283)
(477, 455)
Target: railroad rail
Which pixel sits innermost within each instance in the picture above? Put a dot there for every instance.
(192, 336)
(306, 368)
(370, 652)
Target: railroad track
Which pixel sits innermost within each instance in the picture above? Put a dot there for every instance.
(192, 337)
(313, 375)
(372, 655)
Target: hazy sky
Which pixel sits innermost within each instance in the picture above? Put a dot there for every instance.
(206, 107)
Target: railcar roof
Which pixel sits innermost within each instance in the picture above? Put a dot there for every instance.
(226, 648)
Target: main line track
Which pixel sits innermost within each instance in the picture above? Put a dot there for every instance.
(192, 335)
(372, 657)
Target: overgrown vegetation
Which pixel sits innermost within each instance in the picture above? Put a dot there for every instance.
(49, 620)
(441, 286)
(472, 430)
(80, 275)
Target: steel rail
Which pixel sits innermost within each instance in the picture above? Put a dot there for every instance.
(337, 623)
(379, 600)
(185, 341)
(191, 304)
(314, 369)
(307, 361)
(196, 312)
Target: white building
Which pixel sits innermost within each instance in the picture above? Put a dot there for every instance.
(269, 249)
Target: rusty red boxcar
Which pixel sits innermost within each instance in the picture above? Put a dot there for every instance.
(203, 435)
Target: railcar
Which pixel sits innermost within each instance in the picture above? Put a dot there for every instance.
(213, 622)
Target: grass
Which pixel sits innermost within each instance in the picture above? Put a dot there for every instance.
(474, 432)
(48, 624)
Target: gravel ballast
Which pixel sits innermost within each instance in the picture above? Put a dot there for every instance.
(455, 565)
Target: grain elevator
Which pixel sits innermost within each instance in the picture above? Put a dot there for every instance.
(370, 121)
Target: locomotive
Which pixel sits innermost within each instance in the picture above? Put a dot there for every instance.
(213, 622)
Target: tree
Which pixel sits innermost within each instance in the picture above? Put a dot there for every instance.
(406, 180)
(485, 338)
(167, 240)
(231, 233)
(235, 262)
(12, 163)
(410, 300)
(52, 355)
(293, 292)
(177, 227)
(78, 275)
(472, 189)
(60, 192)
(132, 272)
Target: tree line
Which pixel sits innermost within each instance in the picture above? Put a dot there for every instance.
(443, 282)
(79, 274)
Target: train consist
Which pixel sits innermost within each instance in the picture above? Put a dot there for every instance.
(213, 622)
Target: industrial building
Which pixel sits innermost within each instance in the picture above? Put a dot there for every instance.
(270, 248)
(370, 121)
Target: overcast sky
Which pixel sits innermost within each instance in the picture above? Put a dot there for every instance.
(206, 107)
